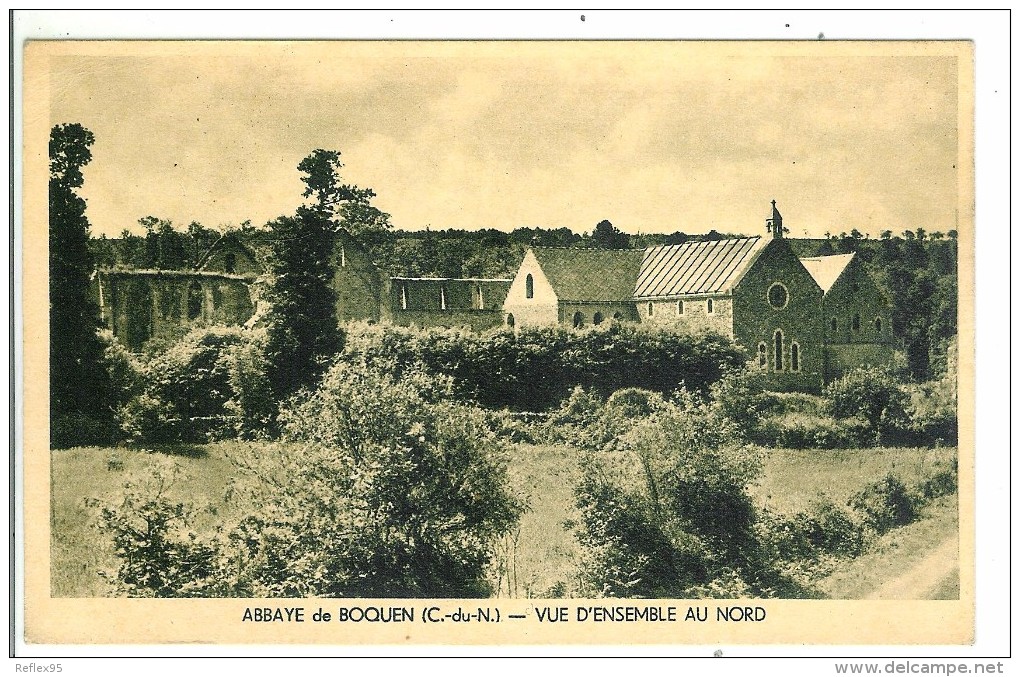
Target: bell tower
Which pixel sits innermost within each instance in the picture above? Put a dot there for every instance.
(774, 224)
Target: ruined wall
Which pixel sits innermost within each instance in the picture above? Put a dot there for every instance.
(756, 319)
(137, 305)
(359, 285)
(445, 302)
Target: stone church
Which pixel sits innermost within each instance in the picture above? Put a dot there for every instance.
(804, 321)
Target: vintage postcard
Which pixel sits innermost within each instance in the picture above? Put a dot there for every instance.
(410, 342)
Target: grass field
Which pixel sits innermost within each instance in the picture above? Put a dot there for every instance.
(539, 559)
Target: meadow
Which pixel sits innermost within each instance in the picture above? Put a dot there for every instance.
(539, 558)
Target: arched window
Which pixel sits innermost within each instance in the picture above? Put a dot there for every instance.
(778, 357)
(679, 307)
(229, 262)
(510, 322)
(403, 296)
(442, 297)
(196, 299)
(479, 298)
(651, 309)
(794, 357)
(529, 286)
(617, 316)
(597, 319)
(578, 320)
(855, 323)
(878, 324)
(711, 308)
(762, 355)
(834, 324)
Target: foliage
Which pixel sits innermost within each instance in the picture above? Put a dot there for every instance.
(301, 322)
(251, 404)
(80, 394)
(395, 493)
(187, 390)
(535, 369)
(608, 236)
(665, 509)
(872, 394)
(740, 397)
(807, 431)
(159, 555)
(886, 504)
(389, 491)
(125, 372)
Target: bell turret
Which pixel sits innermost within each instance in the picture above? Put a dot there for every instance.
(774, 224)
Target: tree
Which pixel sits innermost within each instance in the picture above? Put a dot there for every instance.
(608, 236)
(334, 198)
(79, 385)
(302, 326)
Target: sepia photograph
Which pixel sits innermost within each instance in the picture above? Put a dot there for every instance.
(665, 334)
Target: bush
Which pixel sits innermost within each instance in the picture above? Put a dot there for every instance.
(872, 394)
(665, 508)
(806, 431)
(742, 398)
(824, 529)
(159, 555)
(187, 389)
(932, 413)
(534, 369)
(251, 404)
(886, 504)
(385, 491)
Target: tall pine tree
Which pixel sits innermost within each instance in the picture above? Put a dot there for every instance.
(80, 410)
(303, 330)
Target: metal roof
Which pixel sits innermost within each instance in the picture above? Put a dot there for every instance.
(827, 269)
(696, 267)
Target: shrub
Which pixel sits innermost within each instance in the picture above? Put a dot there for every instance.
(932, 412)
(384, 490)
(886, 504)
(251, 403)
(872, 394)
(395, 492)
(742, 398)
(807, 431)
(536, 368)
(665, 508)
(159, 555)
(187, 389)
(124, 370)
(943, 482)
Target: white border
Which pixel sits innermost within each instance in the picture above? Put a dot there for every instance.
(990, 32)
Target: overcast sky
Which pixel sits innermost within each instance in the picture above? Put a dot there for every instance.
(655, 137)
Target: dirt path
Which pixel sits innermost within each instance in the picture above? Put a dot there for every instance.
(933, 574)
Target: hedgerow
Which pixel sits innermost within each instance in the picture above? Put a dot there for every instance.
(534, 369)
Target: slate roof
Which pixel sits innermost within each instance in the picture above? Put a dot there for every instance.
(590, 274)
(696, 267)
(827, 269)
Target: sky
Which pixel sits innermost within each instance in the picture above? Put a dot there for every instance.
(653, 136)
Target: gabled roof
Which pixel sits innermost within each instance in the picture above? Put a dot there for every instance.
(590, 274)
(827, 269)
(222, 241)
(696, 267)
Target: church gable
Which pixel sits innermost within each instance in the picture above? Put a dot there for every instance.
(229, 255)
(777, 318)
